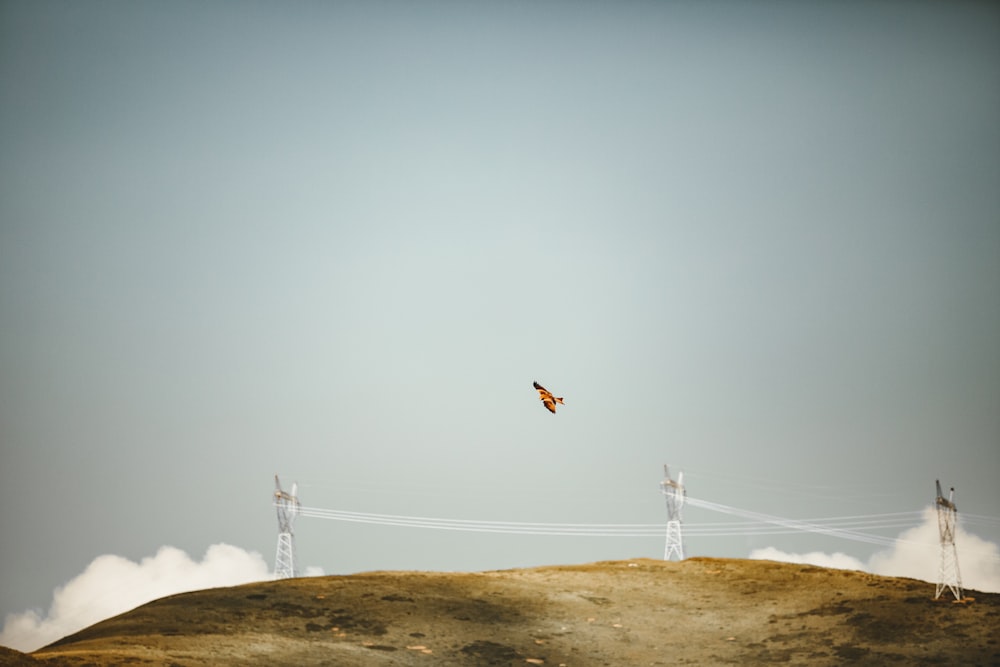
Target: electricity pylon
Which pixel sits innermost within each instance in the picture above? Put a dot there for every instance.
(674, 493)
(948, 575)
(287, 505)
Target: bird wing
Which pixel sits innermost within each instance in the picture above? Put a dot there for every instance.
(546, 397)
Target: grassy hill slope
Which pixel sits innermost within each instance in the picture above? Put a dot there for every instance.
(641, 612)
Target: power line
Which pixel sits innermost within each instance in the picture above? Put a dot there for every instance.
(509, 527)
(796, 524)
(848, 527)
(858, 528)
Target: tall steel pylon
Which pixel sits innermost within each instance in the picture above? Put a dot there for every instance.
(287, 505)
(948, 574)
(674, 493)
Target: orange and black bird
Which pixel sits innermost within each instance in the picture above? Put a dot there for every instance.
(548, 400)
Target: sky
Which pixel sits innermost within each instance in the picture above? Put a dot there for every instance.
(337, 241)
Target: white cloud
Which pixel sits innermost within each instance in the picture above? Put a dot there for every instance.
(837, 560)
(111, 585)
(916, 554)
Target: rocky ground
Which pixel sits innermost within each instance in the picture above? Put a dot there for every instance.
(642, 612)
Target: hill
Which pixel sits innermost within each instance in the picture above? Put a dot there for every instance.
(643, 612)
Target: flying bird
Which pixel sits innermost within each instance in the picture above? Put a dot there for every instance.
(548, 400)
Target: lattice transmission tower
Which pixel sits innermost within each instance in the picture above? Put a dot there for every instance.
(287, 505)
(674, 493)
(948, 575)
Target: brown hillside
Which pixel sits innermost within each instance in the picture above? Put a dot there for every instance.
(644, 612)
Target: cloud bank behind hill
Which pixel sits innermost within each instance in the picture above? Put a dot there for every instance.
(916, 554)
(112, 584)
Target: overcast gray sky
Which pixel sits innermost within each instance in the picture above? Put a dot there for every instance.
(338, 241)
